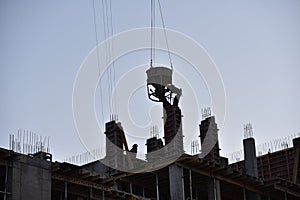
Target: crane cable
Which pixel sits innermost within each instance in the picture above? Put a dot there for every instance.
(152, 34)
(112, 54)
(165, 33)
(107, 56)
(98, 59)
(109, 53)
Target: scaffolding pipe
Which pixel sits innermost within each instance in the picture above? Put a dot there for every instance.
(285, 196)
(215, 189)
(269, 166)
(91, 192)
(182, 183)
(244, 193)
(143, 192)
(287, 165)
(5, 186)
(191, 186)
(157, 191)
(66, 190)
(130, 185)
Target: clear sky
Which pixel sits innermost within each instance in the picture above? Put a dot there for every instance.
(255, 44)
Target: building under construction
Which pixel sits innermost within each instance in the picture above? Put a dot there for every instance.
(271, 176)
(171, 174)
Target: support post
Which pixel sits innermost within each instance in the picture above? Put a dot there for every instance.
(214, 192)
(176, 182)
(130, 186)
(191, 186)
(215, 189)
(182, 183)
(285, 196)
(157, 188)
(66, 190)
(91, 193)
(5, 184)
(143, 192)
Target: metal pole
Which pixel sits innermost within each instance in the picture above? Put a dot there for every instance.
(182, 183)
(91, 193)
(215, 189)
(130, 185)
(157, 189)
(5, 186)
(285, 196)
(66, 190)
(244, 193)
(143, 192)
(191, 186)
(103, 195)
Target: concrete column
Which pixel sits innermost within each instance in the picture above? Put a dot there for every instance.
(250, 164)
(31, 178)
(176, 183)
(214, 191)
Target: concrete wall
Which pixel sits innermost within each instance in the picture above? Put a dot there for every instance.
(31, 179)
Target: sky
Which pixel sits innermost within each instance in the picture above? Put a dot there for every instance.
(255, 45)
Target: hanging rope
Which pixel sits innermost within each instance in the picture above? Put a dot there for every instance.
(152, 34)
(165, 33)
(107, 47)
(112, 54)
(98, 59)
(107, 24)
